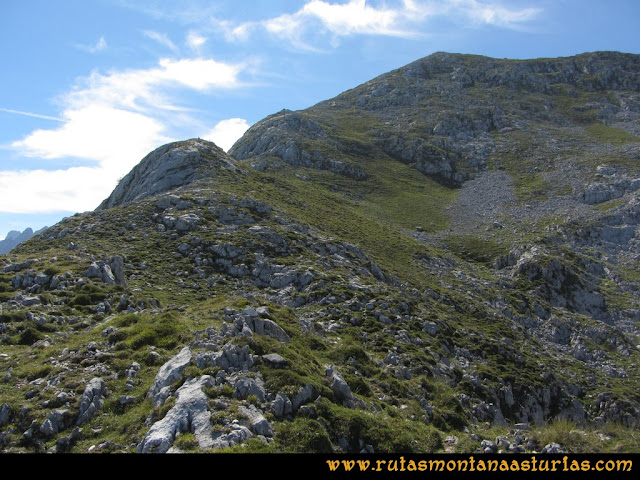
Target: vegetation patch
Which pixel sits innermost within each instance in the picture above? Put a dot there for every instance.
(475, 249)
(613, 135)
(302, 435)
(384, 433)
(166, 331)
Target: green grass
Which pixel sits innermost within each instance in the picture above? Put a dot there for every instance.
(573, 438)
(613, 135)
(532, 186)
(609, 205)
(400, 196)
(475, 249)
(302, 435)
(376, 231)
(385, 433)
(166, 331)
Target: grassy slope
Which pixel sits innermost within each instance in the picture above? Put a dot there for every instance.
(321, 202)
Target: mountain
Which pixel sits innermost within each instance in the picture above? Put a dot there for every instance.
(170, 166)
(15, 238)
(442, 259)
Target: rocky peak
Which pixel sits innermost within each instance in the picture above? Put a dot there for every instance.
(15, 238)
(12, 235)
(283, 135)
(169, 166)
(591, 71)
(441, 113)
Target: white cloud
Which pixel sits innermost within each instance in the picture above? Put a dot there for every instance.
(199, 74)
(322, 17)
(97, 133)
(145, 88)
(37, 191)
(232, 32)
(493, 13)
(226, 132)
(110, 140)
(98, 47)
(340, 18)
(402, 18)
(353, 17)
(146, 91)
(109, 122)
(195, 41)
(161, 38)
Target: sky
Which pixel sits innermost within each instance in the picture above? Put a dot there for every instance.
(89, 87)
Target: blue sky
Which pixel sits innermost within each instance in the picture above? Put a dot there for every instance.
(88, 87)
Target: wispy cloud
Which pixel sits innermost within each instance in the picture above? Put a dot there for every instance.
(189, 12)
(161, 38)
(195, 42)
(494, 13)
(401, 18)
(100, 45)
(145, 89)
(317, 21)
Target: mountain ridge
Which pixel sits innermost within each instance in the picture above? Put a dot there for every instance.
(419, 258)
(436, 158)
(15, 238)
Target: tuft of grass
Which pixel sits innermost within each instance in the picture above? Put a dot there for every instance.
(166, 330)
(385, 433)
(302, 435)
(186, 442)
(475, 249)
(609, 205)
(561, 431)
(531, 186)
(36, 372)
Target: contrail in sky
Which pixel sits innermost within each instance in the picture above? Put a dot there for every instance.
(29, 114)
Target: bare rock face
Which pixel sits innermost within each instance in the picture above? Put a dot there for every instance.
(168, 167)
(283, 135)
(91, 400)
(170, 372)
(190, 413)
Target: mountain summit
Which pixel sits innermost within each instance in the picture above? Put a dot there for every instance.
(442, 259)
(445, 114)
(168, 167)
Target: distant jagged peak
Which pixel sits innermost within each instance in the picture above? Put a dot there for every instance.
(20, 236)
(15, 238)
(168, 167)
(12, 235)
